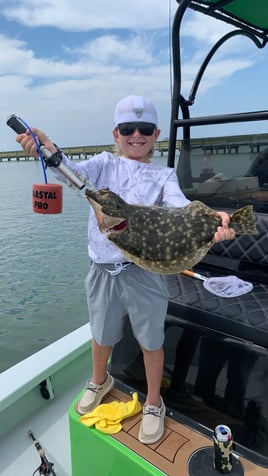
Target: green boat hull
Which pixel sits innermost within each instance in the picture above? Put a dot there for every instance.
(94, 453)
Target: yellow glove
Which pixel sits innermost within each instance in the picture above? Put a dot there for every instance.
(107, 416)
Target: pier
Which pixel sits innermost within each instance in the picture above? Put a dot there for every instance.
(211, 145)
(254, 143)
(77, 153)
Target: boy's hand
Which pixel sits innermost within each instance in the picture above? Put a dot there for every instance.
(224, 232)
(27, 143)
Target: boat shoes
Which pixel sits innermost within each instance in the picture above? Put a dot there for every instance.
(94, 394)
(152, 424)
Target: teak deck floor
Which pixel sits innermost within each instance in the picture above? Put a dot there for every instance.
(172, 453)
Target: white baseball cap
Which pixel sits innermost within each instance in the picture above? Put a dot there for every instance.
(135, 109)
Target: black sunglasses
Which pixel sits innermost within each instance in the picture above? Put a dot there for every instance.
(144, 128)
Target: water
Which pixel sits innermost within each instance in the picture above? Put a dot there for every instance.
(43, 264)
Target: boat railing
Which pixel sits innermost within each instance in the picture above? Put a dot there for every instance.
(18, 380)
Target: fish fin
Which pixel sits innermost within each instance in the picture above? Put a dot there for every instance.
(243, 221)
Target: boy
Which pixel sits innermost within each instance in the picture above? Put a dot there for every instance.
(117, 288)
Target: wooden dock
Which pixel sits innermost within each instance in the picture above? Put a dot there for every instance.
(209, 145)
(77, 153)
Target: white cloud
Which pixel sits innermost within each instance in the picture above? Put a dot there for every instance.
(203, 29)
(109, 49)
(88, 14)
(72, 97)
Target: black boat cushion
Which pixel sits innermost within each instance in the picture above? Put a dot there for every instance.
(244, 317)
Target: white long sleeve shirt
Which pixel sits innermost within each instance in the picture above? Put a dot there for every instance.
(135, 182)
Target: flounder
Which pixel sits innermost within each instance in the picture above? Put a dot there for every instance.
(160, 239)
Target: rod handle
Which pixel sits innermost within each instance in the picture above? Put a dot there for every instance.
(15, 124)
(192, 274)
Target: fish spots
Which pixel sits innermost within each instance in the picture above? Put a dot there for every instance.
(165, 240)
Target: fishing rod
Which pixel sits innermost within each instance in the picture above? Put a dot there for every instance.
(47, 197)
(46, 467)
(51, 160)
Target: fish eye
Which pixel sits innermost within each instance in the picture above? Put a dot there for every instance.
(104, 191)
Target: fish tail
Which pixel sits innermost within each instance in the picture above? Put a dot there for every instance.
(243, 221)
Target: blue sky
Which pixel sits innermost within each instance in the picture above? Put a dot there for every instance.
(65, 64)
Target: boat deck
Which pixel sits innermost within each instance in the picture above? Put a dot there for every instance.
(181, 447)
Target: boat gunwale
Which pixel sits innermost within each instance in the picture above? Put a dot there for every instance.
(21, 378)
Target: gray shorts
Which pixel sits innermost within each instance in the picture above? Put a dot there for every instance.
(141, 295)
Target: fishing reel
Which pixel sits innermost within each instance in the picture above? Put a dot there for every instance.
(51, 160)
(46, 467)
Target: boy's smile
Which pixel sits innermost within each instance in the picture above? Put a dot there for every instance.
(136, 146)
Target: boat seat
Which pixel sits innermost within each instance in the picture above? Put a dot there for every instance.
(244, 317)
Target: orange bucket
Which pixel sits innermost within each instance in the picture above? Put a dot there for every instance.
(47, 198)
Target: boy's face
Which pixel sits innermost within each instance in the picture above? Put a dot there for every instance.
(136, 146)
